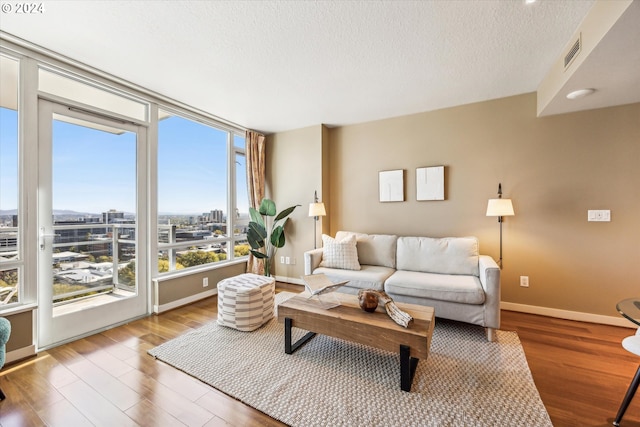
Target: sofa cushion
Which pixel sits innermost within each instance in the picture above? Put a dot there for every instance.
(340, 253)
(374, 249)
(443, 287)
(369, 276)
(449, 255)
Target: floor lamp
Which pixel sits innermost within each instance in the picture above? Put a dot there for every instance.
(316, 210)
(500, 207)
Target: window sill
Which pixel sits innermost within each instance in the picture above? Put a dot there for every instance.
(200, 269)
(21, 308)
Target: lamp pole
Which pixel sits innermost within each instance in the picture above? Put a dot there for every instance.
(500, 222)
(316, 209)
(500, 207)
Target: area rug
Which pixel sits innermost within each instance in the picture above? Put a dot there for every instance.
(466, 381)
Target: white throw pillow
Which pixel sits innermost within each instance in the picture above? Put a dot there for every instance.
(374, 249)
(447, 255)
(340, 253)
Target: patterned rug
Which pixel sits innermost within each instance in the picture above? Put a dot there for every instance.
(466, 381)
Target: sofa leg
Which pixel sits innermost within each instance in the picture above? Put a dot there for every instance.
(491, 334)
(2, 396)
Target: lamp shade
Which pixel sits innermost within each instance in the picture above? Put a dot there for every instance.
(317, 209)
(500, 207)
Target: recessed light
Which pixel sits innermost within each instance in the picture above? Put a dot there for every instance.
(580, 93)
(529, 1)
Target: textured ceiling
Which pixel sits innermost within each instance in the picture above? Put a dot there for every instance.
(280, 65)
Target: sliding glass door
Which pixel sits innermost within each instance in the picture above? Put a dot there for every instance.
(91, 217)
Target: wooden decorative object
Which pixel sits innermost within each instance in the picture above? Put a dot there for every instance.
(400, 317)
(368, 300)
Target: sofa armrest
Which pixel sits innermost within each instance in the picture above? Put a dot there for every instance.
(312, 260)
(490, 281)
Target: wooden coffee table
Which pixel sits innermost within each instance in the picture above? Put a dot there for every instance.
(349, 322)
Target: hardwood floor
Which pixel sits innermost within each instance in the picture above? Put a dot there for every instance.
(580, 369)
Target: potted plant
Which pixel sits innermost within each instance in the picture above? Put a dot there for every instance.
(265, 240)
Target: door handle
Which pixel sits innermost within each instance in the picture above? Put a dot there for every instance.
(44, 236)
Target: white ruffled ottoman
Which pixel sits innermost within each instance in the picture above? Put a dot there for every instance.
(245, 302)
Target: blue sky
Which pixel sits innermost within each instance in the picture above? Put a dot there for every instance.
(95, 171)
(8, 154)
(192, 165)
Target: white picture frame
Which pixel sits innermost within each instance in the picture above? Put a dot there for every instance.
(391, 185)
(430, 183)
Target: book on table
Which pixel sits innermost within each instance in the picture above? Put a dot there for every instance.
(319, 284)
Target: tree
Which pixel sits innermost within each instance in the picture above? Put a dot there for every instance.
(163, 265)
(8, 278)
(241, 250)
(127, 275)
(192, 258)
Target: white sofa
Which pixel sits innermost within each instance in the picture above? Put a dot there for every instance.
(448, 273)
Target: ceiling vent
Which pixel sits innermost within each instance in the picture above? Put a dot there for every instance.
(574, 50)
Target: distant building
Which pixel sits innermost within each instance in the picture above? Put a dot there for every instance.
(8, 244)
(82, 230)
(111, 215)
(182, 235)
(216, 215)
(68, 256)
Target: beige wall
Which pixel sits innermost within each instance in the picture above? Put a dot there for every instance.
(21, 330)
(186, 287)
(553, 168)
(294, 171)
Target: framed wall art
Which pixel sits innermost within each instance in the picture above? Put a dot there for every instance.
(391, 185)
(430, 183)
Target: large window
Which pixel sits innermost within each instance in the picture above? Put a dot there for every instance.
(11, 257)
(195, 197)
(104, 186)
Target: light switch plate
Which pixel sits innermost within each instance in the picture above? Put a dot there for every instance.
(599, 215)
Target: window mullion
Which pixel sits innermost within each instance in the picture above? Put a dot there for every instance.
(28, 154)
(231, 199)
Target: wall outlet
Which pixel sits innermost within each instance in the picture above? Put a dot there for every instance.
(205, 282)
(599, 215)
(524, 281)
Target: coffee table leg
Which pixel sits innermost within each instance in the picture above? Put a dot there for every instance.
(288, 347)
(408, 367)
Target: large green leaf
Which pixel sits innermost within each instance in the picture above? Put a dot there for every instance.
(259, 229)
(267, 207)
(285, 213)
(277, 237)
(258, 254)
(256, 235)
(255, 216)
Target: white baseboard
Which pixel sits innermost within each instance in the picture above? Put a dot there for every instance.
(21, 353)
(569, 315)
(157, 309)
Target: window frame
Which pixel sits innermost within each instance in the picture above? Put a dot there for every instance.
(230, 239)
(19, 263)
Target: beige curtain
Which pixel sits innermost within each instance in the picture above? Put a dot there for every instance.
(256, 155)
